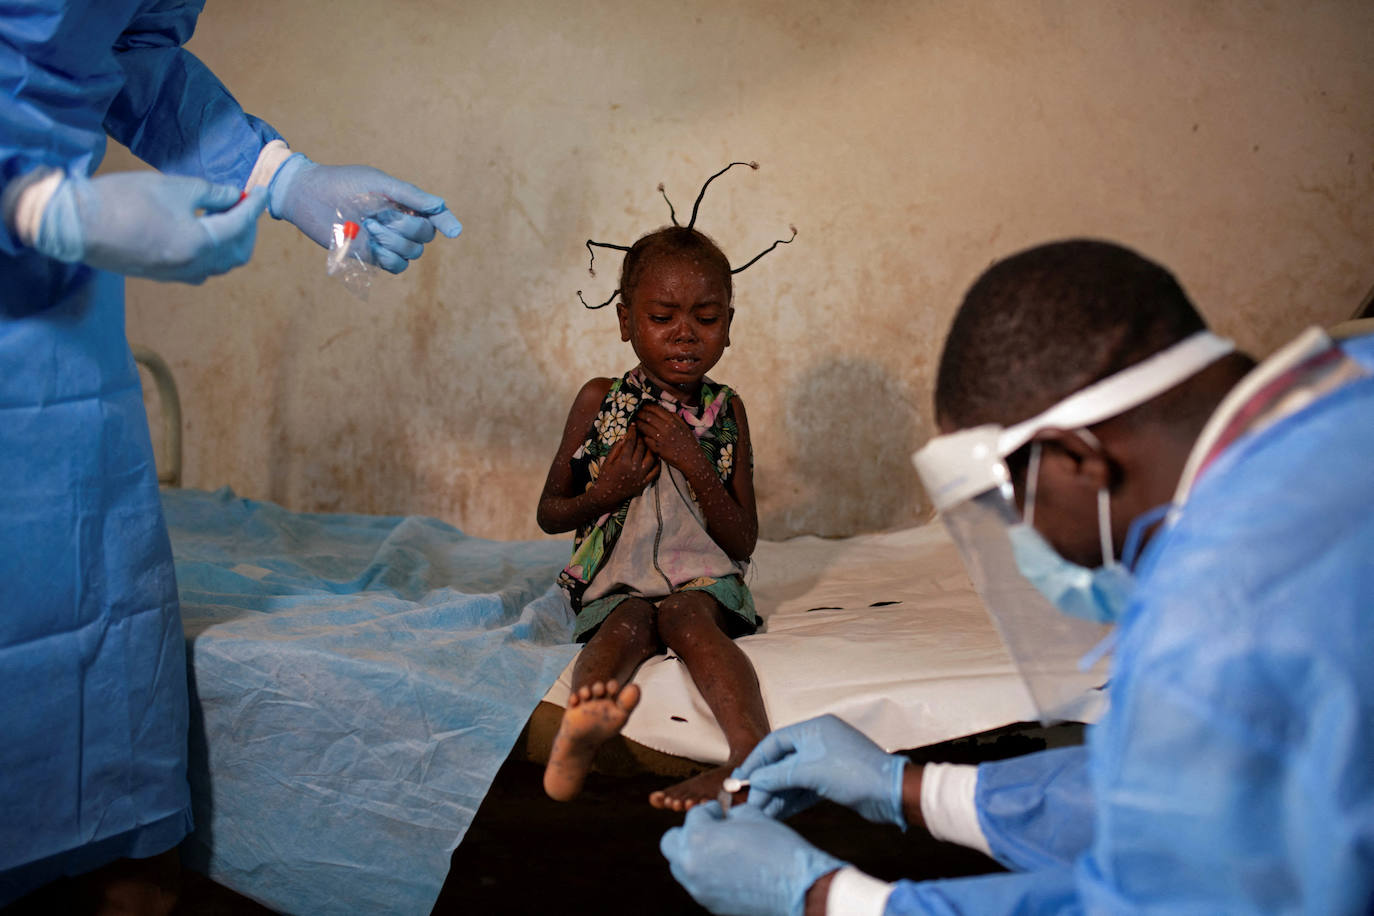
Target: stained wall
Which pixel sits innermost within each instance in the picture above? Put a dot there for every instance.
(911, 143)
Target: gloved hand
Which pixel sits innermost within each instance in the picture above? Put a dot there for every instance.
(145, 224)
(744, 863)
(312, 196)
(792, 768)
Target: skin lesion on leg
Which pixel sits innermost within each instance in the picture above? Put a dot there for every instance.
(692, 624)
(599, 706)
(594, 714)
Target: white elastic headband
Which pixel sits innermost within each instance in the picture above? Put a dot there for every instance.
(1116, 394)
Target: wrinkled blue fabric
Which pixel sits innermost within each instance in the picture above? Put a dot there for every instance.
(1052, 891)
(91, 651)
(357, 682)
(1232, 771)
(1036, 810)
(92, 665)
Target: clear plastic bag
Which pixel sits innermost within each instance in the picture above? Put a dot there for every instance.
(350, 257)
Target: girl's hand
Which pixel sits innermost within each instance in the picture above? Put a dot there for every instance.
(627, 470)
(670, 438)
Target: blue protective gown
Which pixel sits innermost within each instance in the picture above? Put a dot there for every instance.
(1036, 811)
(1234, 770)
(92, 657)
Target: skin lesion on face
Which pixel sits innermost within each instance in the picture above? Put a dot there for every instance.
(678, 322)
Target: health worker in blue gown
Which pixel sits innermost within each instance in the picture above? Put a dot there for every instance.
(1132, 469)
(92, 659)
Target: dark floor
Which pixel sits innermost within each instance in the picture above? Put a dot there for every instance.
(599, 854)
(77, 897)
(202, 897)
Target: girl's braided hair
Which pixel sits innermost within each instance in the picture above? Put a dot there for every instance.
(674, 238)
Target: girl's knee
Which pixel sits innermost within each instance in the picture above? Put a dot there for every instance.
(631, 621)
(687, 617)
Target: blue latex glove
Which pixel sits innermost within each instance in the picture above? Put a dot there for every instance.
(744, 863)
(145, 224)
(312, 196)
(824, 757)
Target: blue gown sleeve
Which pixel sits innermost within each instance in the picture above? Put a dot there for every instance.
(1048, 890)
(51, 96)
(172, 112)
(1036, 811)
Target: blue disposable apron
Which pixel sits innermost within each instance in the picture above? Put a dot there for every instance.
(93, 694)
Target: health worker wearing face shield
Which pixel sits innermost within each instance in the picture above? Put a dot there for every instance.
(1108, 460)
(92, 657)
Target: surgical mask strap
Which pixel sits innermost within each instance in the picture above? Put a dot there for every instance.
(1104, 508)
(1135, 536)
(1104, 504)
(1104, 527)
(1032, 483)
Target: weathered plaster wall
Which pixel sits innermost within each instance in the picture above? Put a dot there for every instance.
(911, 144)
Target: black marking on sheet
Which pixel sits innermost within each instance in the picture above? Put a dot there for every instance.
(810, 609)
(677, 718)
(883, 603)
(671, 658)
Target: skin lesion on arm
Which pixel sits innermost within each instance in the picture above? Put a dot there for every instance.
(732, 517)
(729, 507)
(563, 506)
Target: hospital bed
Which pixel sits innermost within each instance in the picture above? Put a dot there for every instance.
(356, 681)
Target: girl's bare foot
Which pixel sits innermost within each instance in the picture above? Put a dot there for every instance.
(702, 787)
(595, 713)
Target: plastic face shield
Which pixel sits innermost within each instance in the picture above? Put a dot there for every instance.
(967, 477)
(971, 485)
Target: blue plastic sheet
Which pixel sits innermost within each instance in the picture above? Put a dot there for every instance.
(356, 682)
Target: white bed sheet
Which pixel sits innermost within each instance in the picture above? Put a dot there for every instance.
(884, 631)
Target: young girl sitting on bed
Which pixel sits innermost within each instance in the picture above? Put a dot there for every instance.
(655, 473)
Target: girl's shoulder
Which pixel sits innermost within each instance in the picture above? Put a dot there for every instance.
(596, 390)
(604, 386)
(715, 391)
(600, 384)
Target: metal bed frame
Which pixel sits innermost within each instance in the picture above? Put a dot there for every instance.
(168, 469)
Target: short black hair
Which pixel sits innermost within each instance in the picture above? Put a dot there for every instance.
(1050, 320)
(672, 240)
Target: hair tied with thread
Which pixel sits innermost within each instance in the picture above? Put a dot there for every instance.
(691, 224)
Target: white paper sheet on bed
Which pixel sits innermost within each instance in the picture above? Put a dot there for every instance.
(882, 630)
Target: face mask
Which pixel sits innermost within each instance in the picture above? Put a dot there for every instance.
(1099, 595)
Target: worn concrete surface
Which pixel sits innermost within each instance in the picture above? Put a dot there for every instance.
(910, 143)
